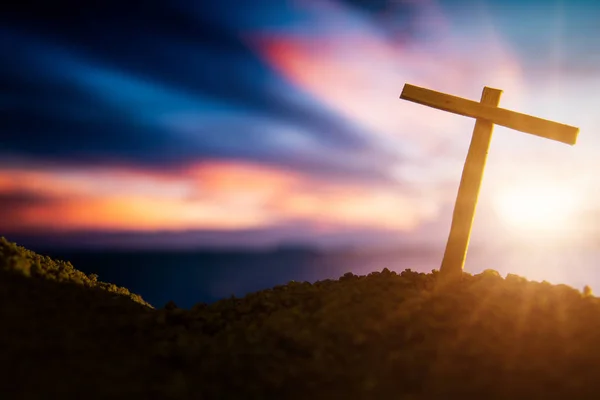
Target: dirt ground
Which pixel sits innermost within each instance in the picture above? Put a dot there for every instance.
(66, 335)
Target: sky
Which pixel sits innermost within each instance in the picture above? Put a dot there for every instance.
(179, 124)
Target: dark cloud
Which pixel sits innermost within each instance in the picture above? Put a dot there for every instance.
(90, 83)
(292, 232)
(382, 6)
(20, 199)
(398, 21)
(15, 204)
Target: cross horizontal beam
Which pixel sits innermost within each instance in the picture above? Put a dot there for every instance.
(499, 116)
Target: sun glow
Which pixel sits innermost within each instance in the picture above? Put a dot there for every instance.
(536, 207)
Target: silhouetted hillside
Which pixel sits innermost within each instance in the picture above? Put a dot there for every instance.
(381, 336)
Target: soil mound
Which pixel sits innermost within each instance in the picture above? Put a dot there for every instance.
(385, 335)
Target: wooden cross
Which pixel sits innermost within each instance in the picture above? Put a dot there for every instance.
(487, 113)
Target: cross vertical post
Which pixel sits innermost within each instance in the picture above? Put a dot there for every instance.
(468, 191)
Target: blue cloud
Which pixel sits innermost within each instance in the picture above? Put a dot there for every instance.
(157, 86)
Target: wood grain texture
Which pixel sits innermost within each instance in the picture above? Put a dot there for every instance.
(468, 192)
(500, 116)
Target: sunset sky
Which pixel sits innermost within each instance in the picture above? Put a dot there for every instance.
(174, 124)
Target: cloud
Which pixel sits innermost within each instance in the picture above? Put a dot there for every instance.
(270, 235)
(216, 195)
(210, 118)
(25, 198)
(14, 206)
(356, 63)
(196, 93)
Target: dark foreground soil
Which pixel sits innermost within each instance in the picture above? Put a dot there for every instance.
(65, 335)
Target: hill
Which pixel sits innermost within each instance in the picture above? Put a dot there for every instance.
(385, 335)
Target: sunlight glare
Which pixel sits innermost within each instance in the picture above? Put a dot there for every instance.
(536, 207)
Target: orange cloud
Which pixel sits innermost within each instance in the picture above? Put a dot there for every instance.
(206, 196)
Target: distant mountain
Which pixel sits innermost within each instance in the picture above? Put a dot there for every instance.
(297, 249)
